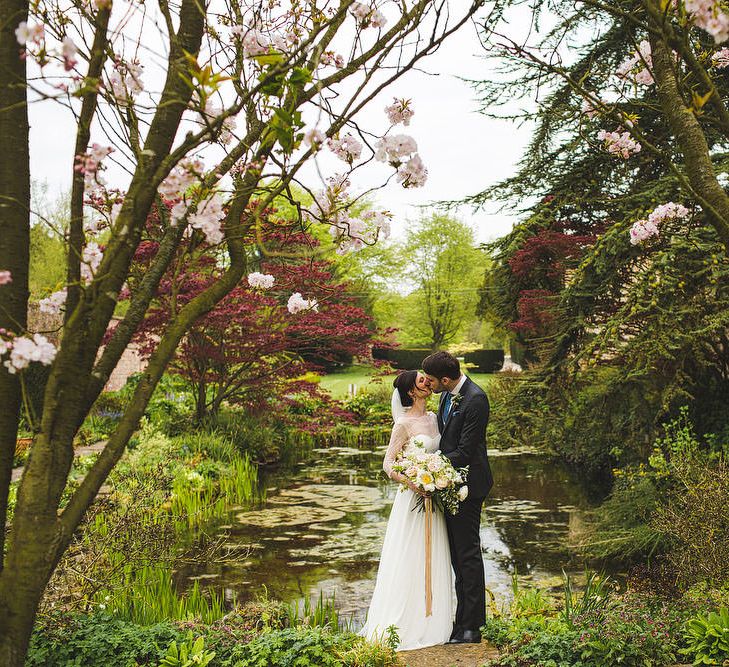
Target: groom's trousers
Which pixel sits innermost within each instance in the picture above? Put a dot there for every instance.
(465, 543)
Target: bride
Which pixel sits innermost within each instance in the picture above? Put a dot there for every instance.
(399, 596)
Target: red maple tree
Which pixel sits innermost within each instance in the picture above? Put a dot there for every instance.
(250, 348)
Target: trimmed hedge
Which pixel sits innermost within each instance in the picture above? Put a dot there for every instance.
(402, 358)
(486, 361)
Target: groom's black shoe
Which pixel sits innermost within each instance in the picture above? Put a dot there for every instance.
(466, 637)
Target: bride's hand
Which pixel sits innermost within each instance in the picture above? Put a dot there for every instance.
(397, 477)
(416, 490)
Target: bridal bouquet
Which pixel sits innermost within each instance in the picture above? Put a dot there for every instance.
(434, 474)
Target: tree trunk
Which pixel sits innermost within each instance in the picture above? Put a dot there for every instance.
(201, 402)
(691, 140)
(14, 232)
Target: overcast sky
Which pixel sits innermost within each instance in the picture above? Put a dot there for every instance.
(464, 151)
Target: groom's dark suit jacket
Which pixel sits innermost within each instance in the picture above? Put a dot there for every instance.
(463, 437)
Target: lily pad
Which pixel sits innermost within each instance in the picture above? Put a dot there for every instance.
(273, 517)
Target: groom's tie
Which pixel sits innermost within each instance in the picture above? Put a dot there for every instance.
(447, 406)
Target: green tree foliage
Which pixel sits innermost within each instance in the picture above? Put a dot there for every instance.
(444, 266)
(619, 336)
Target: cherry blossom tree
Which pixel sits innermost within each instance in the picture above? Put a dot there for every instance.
(202, 107)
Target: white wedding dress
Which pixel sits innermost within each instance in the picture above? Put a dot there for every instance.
(399, 596)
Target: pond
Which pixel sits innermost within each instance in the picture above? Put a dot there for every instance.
(323, 522)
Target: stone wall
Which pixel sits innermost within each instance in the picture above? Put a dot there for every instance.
(50, 327)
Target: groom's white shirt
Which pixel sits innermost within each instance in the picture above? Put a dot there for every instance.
(460, 384)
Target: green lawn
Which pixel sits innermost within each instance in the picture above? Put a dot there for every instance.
(337, 383)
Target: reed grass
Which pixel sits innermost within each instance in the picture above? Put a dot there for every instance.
(148, 596)
(323, 614)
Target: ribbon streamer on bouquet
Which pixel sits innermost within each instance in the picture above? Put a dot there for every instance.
(428, 556)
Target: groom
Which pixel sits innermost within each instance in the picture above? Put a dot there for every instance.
(463, 414)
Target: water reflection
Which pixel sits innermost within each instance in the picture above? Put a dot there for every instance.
(322, 525)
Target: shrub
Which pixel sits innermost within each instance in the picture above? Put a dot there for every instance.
(311, 647)
(707, 638)
(620, 529)
(595, 629)
(402, 358)
(695, 521)
(189, 653)
(486, 361)
(99, 639)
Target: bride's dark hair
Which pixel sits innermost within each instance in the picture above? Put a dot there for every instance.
(404, 383)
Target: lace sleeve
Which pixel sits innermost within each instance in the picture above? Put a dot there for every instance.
(398, 438)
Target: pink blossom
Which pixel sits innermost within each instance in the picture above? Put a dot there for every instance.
(126, 80)
(331, 58)
(641, 231)
(393, 148)
(645, 229)
(69, 51)
(380, 220)
(29, 33)
(229, 124)
(254, 43)
(367, 16)
(187, 172)
(636, 67)
(6, 277)
(413, 173)
(89, 163)
(620, 144)
(399, 112)
(208, 218)
(348, 148)
(668, 211)
(260, 280)
(710, 16)
(720, 59)
(314, 138)
(332, 202)
(589, 109)
(297, 303)
(24, 350)
(53, 304)
(90, 260)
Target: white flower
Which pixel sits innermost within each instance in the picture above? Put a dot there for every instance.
(394, 148)
(54, 303)
(367, 16)
(25, 33)
(348, 148)
(90, 260)
(260, 280)
(399, 112)
(254, 43)
(314, 138)
(720, 59)
(185, 174)
(25, 350)
(297, 303)
(463, 493)
(426, 480)
(6, 277)
(413, 173)
(69, 51)
(208, 218)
